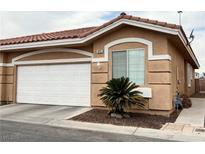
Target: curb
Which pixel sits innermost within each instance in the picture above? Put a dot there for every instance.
(126, 130)
(109, 128)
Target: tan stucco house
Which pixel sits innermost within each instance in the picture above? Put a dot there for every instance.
(69, 67)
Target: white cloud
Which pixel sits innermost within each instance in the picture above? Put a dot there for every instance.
(190, 20)
(13, 24)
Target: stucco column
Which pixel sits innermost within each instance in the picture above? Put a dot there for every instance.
(2, 87)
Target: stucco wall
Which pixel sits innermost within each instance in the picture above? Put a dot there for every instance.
(179, 72)
(157, 74)
(6, 83)
(191, 90)
(53, 55)
(159, 40)
(1, 57)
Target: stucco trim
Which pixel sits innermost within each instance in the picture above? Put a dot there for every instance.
(6, 64)
(132, 40)
(82, 52)
(73, 60)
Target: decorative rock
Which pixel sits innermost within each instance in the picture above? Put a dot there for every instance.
(115, 115)
(126, 115)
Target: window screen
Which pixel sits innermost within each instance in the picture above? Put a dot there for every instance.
(130, 64)
(136, 65)
(119, 64)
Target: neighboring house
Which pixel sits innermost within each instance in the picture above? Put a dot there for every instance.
(197, 75)
(69, 67)
(203, 75)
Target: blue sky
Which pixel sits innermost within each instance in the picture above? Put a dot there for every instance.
(25, 23)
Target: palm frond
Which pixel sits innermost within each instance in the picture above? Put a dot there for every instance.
(121, 93)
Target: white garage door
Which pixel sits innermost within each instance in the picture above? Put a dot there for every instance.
(63, 84)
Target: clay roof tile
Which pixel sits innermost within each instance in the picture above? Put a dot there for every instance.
(80, 32)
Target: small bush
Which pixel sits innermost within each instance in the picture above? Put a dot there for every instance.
(186, 101)
(3, 102)
(120, 94)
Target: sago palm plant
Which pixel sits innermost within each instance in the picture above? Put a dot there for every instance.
(120, 94)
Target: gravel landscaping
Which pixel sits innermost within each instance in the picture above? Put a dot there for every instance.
(136, 119)
(199, 95)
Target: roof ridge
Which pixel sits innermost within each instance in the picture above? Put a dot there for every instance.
(80, 32)
(155, 20)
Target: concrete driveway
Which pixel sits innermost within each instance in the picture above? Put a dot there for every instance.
(39, 114)
(195, 115)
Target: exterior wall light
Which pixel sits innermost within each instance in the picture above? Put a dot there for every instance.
(99, 65)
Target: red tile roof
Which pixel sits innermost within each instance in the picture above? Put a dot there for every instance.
(74, 33)
(79, 33)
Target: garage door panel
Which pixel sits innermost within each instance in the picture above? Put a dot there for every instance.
(67, 84)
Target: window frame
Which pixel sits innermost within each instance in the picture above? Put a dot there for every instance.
(127, 73)
(189, 75)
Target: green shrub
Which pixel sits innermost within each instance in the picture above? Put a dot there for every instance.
(120, 94)
(3, 102)
(186, 101)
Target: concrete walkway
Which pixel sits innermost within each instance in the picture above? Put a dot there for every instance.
(193, 116)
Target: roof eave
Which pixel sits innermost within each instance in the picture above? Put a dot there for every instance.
(121, 21)
(189, 46)
(88, 37)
